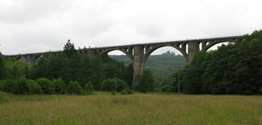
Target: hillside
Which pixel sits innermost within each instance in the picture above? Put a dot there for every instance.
(162, 66)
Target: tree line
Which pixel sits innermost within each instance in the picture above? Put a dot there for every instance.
(67, 73)
(232, 69)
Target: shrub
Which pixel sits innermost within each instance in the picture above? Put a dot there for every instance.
(22, 87)
(121, 84)
(89, 88)
(34, 88)
(113, 92)
(166, 88)
(59, 86)
(9, 85)
(129, 91)
(2, 97)
(109, 85)
(47, 86)
(74, 88)
(124, 92)
(114, 84)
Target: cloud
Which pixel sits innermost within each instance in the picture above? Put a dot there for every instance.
(35, 26)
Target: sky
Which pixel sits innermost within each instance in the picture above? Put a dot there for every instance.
(29, 26)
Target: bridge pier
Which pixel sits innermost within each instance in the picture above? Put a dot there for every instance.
(193, 48)
(138, 62)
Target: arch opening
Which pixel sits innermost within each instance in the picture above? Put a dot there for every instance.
(163, 62)
(215, 46)
(119, 56)
(37, 59)
(22, 59)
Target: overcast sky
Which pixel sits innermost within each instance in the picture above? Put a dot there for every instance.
(28, 26)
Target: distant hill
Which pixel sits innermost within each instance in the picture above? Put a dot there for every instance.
(162, 66)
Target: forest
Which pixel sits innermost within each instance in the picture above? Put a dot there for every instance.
(235, 68)
(68, 73)
(232, 69)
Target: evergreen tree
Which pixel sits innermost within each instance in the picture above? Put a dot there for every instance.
(89, 89)
(69, 49)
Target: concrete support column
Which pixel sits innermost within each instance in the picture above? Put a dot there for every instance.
(91, 53)
(193, 48)
(29, 60)
(138, 61)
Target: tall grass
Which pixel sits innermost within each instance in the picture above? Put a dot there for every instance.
(133, 109)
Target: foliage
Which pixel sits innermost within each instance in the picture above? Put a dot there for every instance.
(89, 89)
(126, 91)
(9, 85)
(162, 66)
(74, 88)
(69, 49)
(114, 84)
(232, 69)
(48, 87)
(113, 92)
(59, 86)
(34, 87)
(2, 67)
(145, 82)
(22, 87)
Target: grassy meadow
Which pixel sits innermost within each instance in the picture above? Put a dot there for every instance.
(103, 108)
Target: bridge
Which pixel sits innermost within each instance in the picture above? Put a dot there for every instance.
(138, 53)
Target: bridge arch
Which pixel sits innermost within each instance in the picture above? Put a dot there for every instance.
(208, 44)
(22, 59)
(177, 47)
(36, 58)
(127, 53)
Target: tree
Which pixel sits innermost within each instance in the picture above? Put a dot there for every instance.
(34, 88)
(128, 75)
(2, 67)
(89, 88)
(47, 86)
(109, 85)
(97, 73)
(59, 86)
(40, 69)
(69, 49)
(22, 87)
(145, 82)
(74, 88)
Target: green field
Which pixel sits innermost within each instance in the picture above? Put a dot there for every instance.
(104, 108)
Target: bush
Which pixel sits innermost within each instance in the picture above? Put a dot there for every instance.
(129, 91)
(34, 88)
(113, 92)
(109, 85)
(166, 88)
(47, 86)
(89, 88)
(114, 84)
(126, 91)
(74, 88)
(22, 87)
(121, 84)
(9, 85)
(59, 86)
(2, 97)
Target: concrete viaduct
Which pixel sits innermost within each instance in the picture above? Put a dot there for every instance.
(138, 53)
